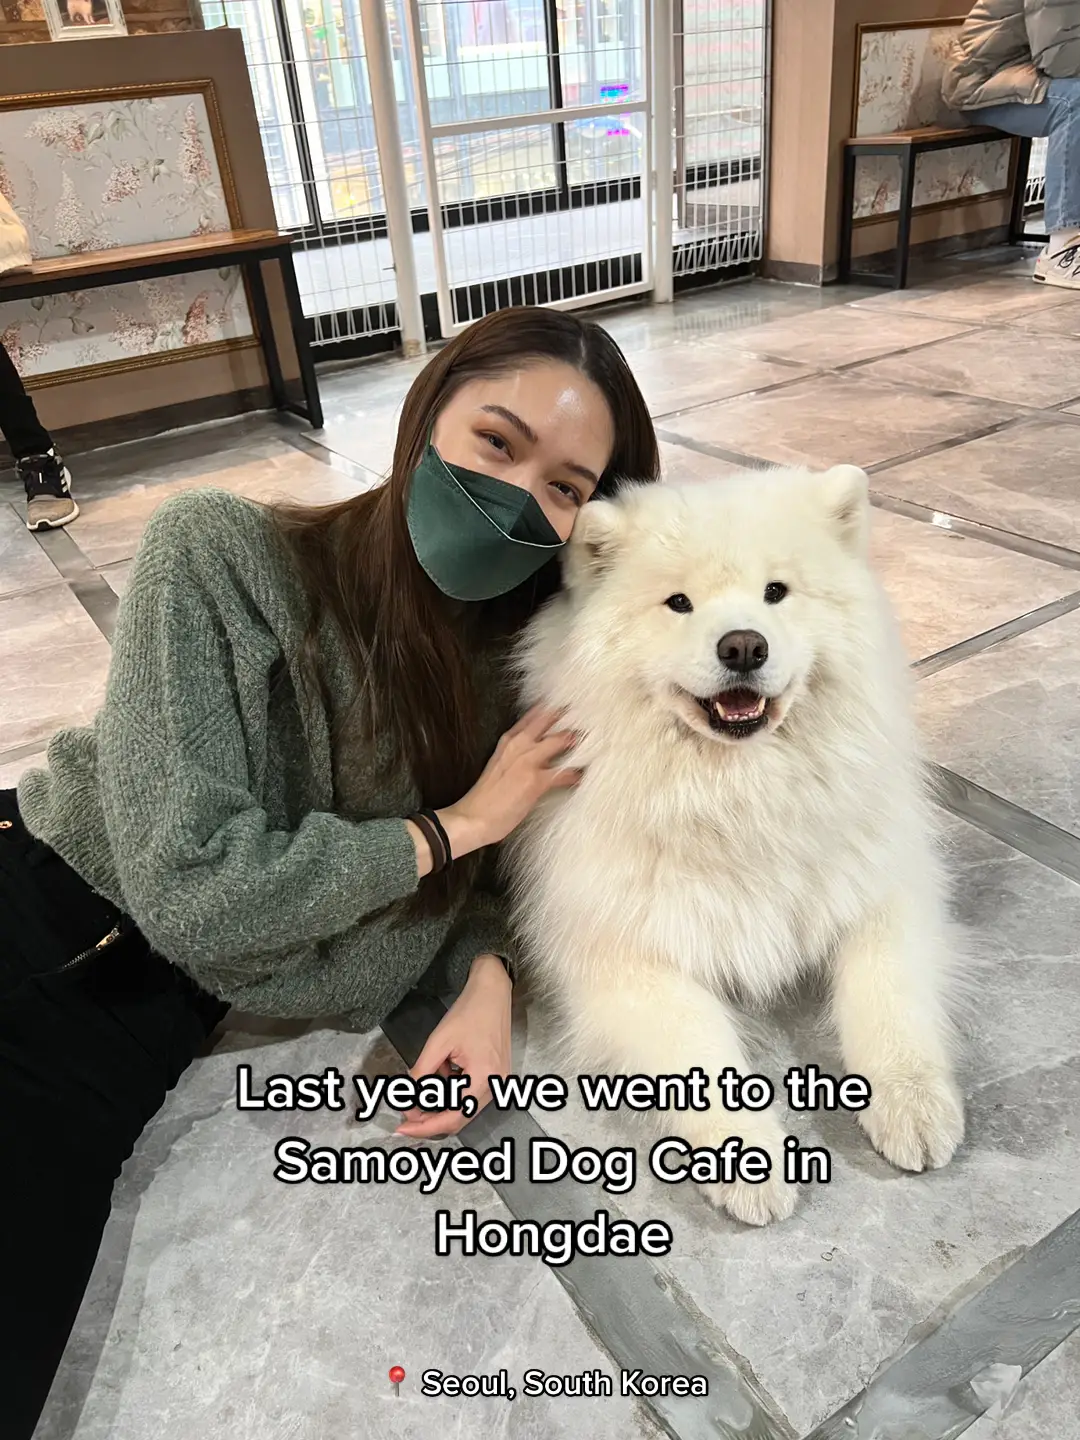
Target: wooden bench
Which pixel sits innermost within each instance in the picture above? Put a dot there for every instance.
(907, 146)
(152, 261)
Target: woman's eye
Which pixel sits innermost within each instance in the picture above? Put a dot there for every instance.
(680, 603)
(569, 491)
(497, 442)
(775, 592)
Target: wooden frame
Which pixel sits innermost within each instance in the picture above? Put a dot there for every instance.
(205, 88)
(59, 29)
(943, 22)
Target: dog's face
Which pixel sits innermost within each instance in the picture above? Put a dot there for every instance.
(723, 601)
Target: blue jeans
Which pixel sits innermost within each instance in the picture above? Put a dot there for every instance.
(1057, 117)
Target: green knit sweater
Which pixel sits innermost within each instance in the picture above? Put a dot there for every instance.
(205, 801)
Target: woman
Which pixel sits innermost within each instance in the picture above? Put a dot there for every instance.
(1015, 64)
(287, 800)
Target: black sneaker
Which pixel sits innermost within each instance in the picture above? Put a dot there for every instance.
(48, 491)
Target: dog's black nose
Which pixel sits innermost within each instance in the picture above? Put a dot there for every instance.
(743, 651)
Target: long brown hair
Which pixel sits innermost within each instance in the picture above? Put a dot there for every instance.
(410, 647)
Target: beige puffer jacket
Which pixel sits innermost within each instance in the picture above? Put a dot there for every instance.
(14, 241)
(1010, 50)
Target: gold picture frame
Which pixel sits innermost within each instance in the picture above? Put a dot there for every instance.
(205, 88)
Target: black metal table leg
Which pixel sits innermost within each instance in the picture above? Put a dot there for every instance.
(847, 216)
(265, 328)
(907, 205)
(299, 329)
(1016, 214)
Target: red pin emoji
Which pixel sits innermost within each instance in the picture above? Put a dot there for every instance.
(397, 1374)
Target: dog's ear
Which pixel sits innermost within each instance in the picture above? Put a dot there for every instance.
(595, 541)
(845, 494)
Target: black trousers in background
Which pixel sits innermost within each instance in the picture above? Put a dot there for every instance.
(87, 1057)
(19, 423)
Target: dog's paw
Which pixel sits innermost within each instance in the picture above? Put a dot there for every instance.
(916, 1123)
(762, 1202)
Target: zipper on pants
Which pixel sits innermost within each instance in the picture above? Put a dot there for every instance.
(102, 944)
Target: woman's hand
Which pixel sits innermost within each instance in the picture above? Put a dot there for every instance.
(474, 1034)
(518, 775)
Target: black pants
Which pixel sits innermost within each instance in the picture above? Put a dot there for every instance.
(87, 1057)
(19, 423)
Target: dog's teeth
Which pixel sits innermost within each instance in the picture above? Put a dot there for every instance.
(739, 712)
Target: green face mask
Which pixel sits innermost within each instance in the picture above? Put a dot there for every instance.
(475, 536)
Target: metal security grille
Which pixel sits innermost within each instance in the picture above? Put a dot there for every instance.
(309, 76)
(532, 124)
(535, 124)
(721, 54)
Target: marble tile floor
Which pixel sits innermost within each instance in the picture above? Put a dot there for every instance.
(227, 1304)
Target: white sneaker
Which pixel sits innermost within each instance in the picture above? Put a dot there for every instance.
(1060, 267)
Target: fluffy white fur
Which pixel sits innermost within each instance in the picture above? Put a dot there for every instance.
(690, 873)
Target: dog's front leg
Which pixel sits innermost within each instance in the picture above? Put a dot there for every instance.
(662, 1023)
(889, 1010)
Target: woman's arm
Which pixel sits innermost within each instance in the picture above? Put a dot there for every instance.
(202, 871)
(367, 971)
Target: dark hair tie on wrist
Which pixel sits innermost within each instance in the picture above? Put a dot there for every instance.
(438, 840)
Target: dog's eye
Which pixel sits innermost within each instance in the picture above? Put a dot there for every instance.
(774, 592)
(681, 604)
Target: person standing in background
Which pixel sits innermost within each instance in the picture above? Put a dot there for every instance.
(1015, 64)
(41, 469)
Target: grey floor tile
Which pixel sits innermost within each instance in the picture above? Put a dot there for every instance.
(228, 1305)
(116, 577)
(23, 563)
(12, 771)
(945, 587)
(817, 1304)
(842, 335)
(707, 314)
(1037, 1408)
(834, 418)
(1025, 479)
(1063, 319)
(679, 464)
(685, 375)
(1007, 720)
(111, 525)
(988, 300)
(1014, 366)
(54, 661)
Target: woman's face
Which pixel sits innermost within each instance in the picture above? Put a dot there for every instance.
(545, 428)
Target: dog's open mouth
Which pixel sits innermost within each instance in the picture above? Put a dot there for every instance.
(736, 713)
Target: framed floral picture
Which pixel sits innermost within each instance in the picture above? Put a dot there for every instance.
(93, 170)
(899, 70)
(84, 19)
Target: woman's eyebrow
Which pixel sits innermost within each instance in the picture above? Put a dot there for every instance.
(515, 420)
(530, 434)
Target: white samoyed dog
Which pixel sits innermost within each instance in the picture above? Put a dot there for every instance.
(752, 808)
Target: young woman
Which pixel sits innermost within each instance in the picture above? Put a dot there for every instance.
(1015, 64)
(288, 799)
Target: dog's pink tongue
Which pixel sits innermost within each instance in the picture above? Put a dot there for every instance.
(738, 704)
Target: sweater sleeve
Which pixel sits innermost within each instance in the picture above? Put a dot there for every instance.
(202, 872)
(366, 972)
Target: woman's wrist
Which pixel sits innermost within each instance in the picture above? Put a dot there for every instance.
(425, 859)
(464, 833)
(490, 970)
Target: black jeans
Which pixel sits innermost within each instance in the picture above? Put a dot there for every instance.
(19, 423)
(87, 1056)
